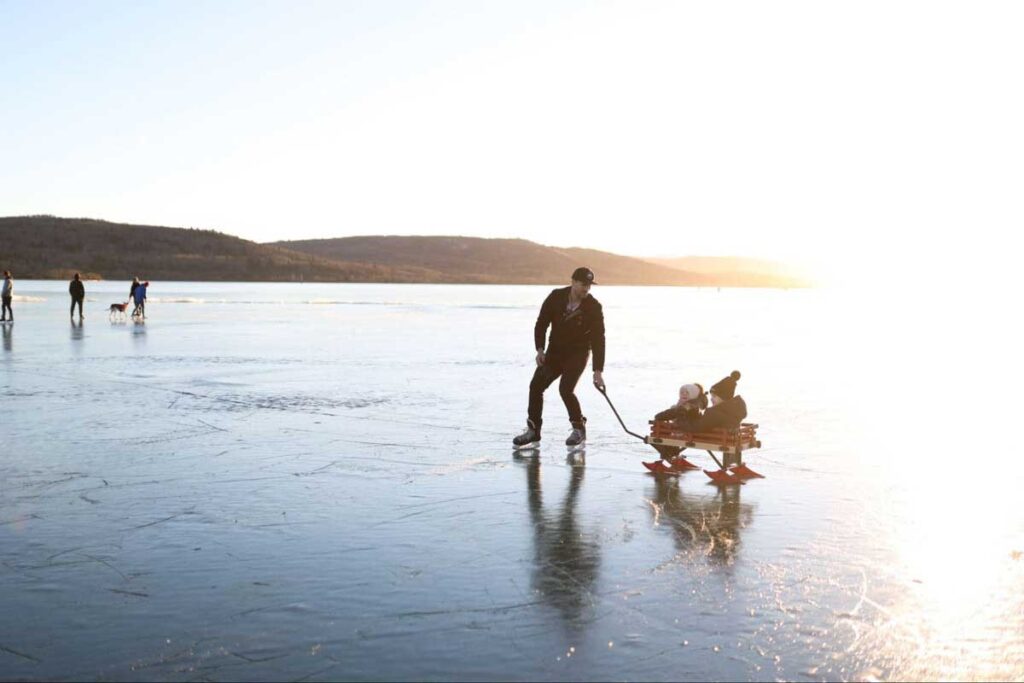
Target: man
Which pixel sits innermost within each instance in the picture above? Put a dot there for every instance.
(77, 291)
(577, 327)
(6, 294)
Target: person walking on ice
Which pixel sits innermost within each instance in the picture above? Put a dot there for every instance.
(6, 295)
(77, 291)
(139, 295)
(577, 328)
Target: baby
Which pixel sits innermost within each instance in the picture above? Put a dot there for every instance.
(692, 402)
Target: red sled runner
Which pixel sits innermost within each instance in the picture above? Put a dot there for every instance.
(670, 444)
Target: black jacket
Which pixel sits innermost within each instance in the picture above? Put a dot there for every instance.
(76, 289)
(678, 412)
(728, 414)
(579, 331)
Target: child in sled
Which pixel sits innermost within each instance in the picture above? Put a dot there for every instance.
(727, 410)
(692, 402)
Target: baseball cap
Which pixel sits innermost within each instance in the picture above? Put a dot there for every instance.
(584, 275)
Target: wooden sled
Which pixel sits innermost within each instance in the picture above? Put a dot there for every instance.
(670, 443)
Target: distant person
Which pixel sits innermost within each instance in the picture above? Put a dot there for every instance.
(6, 295)
(139, 296)
(77, 291)
(577, 326)
(727, 410)
(131, 292)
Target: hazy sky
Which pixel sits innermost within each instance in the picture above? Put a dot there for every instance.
(814, 132)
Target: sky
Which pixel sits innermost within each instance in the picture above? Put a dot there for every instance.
(851, 138)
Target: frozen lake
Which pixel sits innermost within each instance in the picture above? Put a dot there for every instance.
(304, 482)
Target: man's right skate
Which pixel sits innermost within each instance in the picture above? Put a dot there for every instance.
(530, 439)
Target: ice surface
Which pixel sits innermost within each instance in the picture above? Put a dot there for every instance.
(302, 482)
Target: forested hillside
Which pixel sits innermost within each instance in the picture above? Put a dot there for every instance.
(473, 259)
(48, 247)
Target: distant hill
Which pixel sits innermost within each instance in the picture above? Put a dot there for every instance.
(504, 261)
(46, 247)
(515, 261)
(737, 269)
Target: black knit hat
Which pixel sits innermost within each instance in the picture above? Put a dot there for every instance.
(726, 387)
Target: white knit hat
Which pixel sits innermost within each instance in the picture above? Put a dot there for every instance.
(689, 392)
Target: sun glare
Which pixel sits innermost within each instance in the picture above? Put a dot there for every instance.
(958, 550)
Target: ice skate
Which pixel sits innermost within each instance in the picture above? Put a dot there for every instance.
(577, 439)
(530, 439)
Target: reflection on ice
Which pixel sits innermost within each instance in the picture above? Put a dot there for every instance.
(138, 328)
(567, 558)
(707, 525)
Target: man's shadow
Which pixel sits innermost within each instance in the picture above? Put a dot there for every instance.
(566, 560)
(8, 332)
(708, 525)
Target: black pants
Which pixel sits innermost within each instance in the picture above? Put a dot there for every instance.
(567, 366)
(7, 308)
(73, 302)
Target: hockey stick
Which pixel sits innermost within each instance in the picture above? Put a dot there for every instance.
(605, 394)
